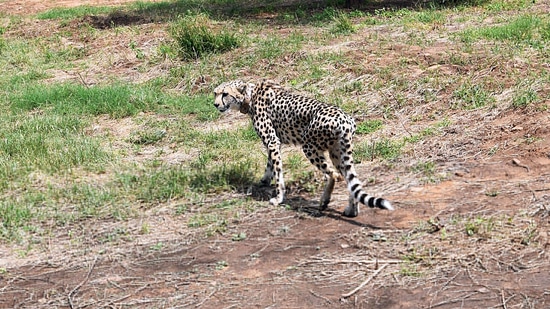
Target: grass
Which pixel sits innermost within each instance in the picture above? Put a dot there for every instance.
(54, 144)
(197, 35)
(524, 29)
(74, 12)
(369, 126)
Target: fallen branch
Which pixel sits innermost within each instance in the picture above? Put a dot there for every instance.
(69, 297)
(344, 261)
(320, 296)
(364, 282)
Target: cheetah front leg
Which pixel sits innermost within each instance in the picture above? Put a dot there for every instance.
(274, 152)
(274, 167)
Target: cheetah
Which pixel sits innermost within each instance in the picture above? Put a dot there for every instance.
(280, 116)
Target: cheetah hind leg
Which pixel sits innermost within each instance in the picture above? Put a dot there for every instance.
(329, 187)
(352, 210)
(317, 158)
(268, 175)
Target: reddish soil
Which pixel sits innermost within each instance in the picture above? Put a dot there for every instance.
(35, 6)
(301, 258)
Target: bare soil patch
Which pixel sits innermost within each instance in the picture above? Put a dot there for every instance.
(439, 249)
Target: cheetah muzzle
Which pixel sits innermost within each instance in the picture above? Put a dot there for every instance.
(280, 116)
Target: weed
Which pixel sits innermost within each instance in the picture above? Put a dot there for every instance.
(529, 234)
(197, 35)
(157, 247)
(427, 168)
(409, 270)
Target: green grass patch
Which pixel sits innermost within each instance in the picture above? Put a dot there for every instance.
(471, 96)
(524, 97)
(117, 100)
(198, 35)
(343, 25)
(48, 143)
(527, 29)
(369, 126)
(74, 12)
(14, 216)
(70, 99)
(168, 182)
(384, 149)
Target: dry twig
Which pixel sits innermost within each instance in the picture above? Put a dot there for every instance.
(364, 282)
(69, 297)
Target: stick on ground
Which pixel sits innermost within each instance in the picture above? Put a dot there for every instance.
(364, 282)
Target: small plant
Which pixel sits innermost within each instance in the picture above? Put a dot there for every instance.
(409, 270)
(238, 237)
(157, 247)
(479, 226)
(427, 168)
(221, 265)
(524, 97)
(197, 35)
(137, 50)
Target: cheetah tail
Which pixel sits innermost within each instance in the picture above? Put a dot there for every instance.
(356, 189)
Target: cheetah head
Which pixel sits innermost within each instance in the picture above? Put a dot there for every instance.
(233, 95)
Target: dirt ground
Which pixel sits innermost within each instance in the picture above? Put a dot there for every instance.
(300, 258)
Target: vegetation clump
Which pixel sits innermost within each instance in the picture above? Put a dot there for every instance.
(197, 35)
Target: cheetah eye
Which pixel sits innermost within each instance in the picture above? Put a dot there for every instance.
(224, 94)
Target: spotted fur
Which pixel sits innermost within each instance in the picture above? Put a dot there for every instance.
(280, 117)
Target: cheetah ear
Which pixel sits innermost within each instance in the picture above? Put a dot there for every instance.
(242, 88)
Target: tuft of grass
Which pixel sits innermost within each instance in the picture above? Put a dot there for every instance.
(385, 149)
(469, 97)
(343, 25)
(197, 35)
(369, 126)
(13, 216)
(524, 97)
(147, 137)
